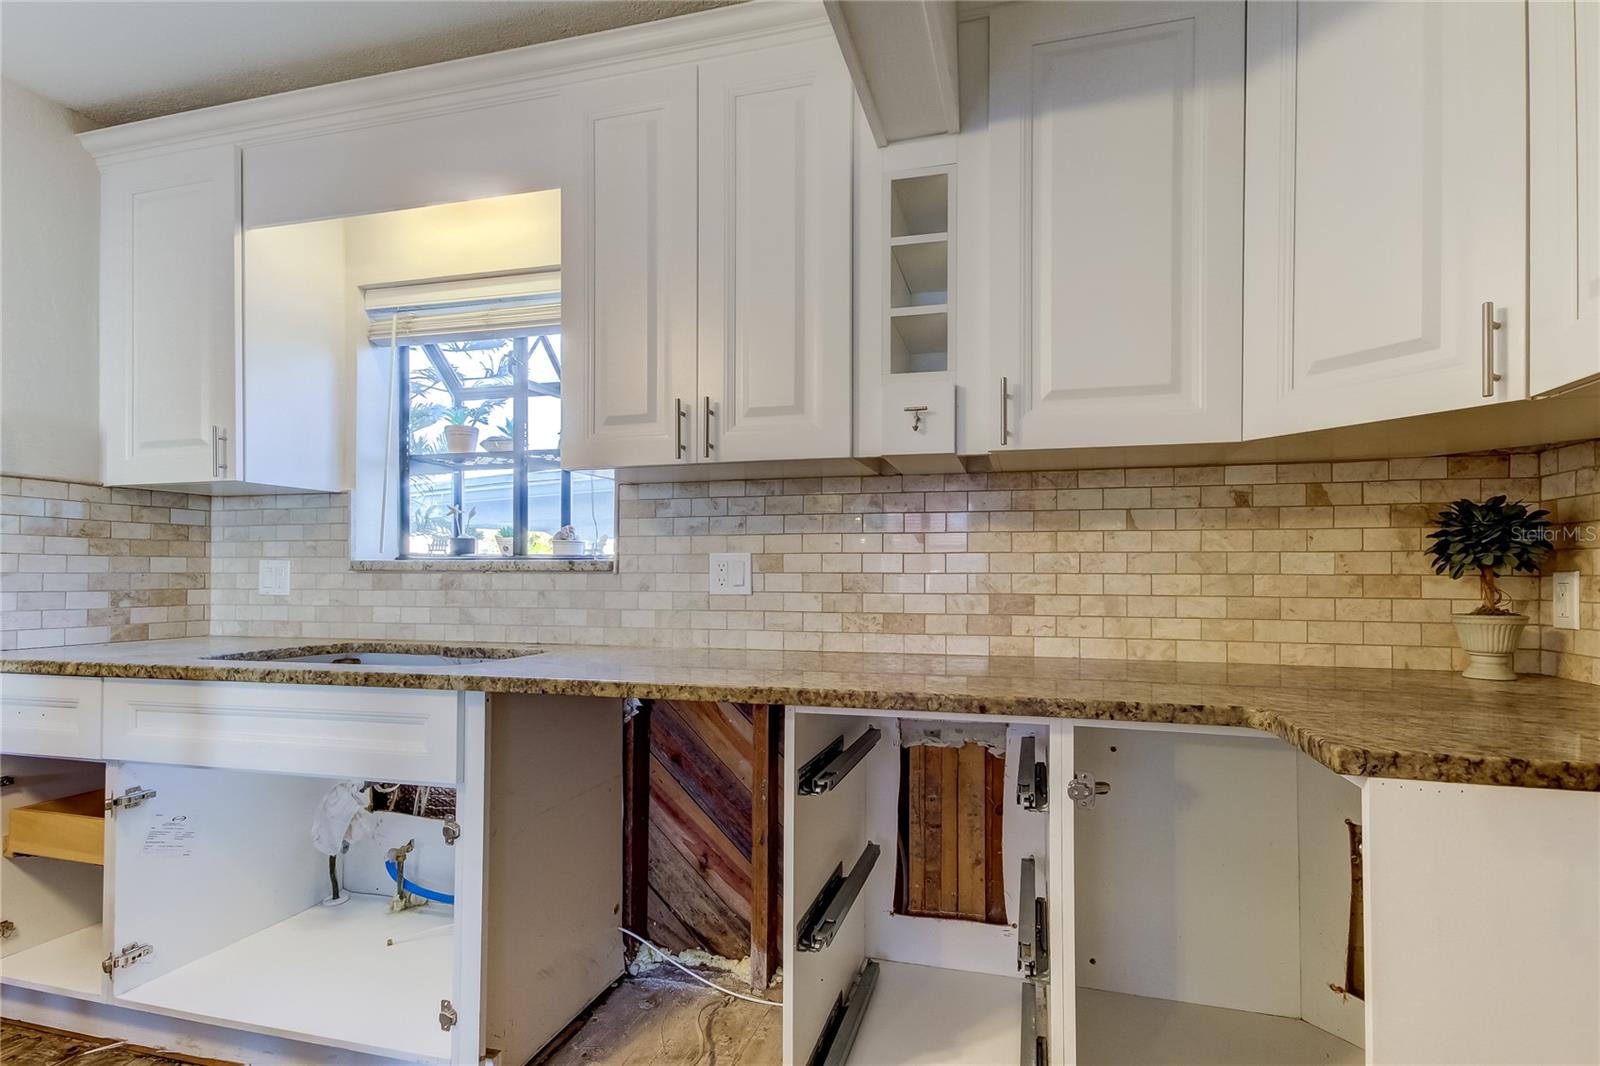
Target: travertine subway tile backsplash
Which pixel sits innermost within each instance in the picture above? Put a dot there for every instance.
(1304, 563)
(83, 564)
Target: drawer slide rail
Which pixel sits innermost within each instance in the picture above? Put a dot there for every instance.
(824, 918)
(844, 1021)
(823, 772)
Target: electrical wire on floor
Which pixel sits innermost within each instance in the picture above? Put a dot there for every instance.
(86, 1052)
(665, 957)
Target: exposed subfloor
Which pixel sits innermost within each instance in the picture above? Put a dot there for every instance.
(30, 1045)
(663, 1019)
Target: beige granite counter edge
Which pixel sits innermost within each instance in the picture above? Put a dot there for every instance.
(1337, 754)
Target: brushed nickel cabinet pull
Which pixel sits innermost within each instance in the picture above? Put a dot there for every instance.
(677, 429)
(219, 452)
(1489, 326)
(1005, 413)
(707, 429)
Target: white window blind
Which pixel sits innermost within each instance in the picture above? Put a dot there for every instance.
(504, 305)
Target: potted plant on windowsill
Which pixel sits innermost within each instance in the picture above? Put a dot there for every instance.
(504, 537)
(1492, 538)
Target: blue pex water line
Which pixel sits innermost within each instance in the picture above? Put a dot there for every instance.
(416, 889)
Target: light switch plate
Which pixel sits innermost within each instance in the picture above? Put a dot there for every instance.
(1564, 600)
(272, 577)
(730, 573)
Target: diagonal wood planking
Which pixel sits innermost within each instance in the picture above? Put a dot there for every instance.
(700, 826)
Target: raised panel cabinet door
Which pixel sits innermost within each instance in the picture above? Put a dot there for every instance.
(628, 271)
(1563, 193)
(1385, 211)
(1117, 175)
(775, 255)
(170, 297)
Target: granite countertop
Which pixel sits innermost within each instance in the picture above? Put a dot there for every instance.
(1535, 732)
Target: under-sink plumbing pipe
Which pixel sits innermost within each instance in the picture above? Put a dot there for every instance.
(416, 889)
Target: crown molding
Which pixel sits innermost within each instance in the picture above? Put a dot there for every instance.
(459, 84)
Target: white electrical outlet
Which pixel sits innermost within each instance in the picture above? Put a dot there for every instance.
(730, 573)
(1564, 600)
(272, 577)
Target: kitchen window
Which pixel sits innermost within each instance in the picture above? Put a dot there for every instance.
(478, 424)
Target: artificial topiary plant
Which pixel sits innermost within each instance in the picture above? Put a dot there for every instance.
(1494, 537)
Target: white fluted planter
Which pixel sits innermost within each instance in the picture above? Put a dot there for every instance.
(1490, 641)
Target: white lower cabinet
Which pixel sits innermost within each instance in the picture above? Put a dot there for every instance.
(1198, 895)
(212, 903)
(868, 983)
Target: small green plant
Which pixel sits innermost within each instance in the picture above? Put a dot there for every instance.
(1493, 538)
(468, 416)
(505, 531)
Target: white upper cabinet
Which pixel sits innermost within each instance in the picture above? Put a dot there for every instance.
(1564, 193)
(170, 297)
(628, 270)
(1116, 171)
(706, 261)
(1385, 229)
(775, 253)
(188, 396)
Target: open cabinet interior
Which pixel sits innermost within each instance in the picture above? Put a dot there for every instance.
(52, 877)
(866, 980)
(217, 876)
(1213, 899)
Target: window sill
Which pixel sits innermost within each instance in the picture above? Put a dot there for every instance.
(548, 564)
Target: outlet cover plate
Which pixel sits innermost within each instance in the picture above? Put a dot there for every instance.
(1564, 600)
(730, 573)
(272, 577)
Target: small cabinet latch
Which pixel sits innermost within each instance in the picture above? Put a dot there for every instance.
(1083, 789)
(124, 958)
(8, 929)
(130, 798)
(1033, 777)
(451, 831)
(447, 1015)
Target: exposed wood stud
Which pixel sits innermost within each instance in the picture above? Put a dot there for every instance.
(766, 889)
(636, 822)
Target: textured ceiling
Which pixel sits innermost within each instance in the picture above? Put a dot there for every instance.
(119, 61)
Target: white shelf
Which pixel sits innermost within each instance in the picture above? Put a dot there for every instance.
(911, 240)
(920, 274)
(1120, 1030)
(919, 206)
(926, 1016)
(69, 965)
(918, 310)
(328, 973)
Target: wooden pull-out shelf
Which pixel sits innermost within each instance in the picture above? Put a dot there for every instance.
(73, 828)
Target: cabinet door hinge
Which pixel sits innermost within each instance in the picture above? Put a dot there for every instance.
(1033, 777)
(1033, 927)
(447, 1015)
(124, 958)
(1035, 1020)
(451, 832)
(129, 799)
(1083, 789)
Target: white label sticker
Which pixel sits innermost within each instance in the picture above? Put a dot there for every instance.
(170, 835)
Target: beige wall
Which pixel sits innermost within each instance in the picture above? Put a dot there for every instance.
(49, 263)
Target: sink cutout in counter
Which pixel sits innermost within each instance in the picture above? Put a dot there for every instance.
(358, 654)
